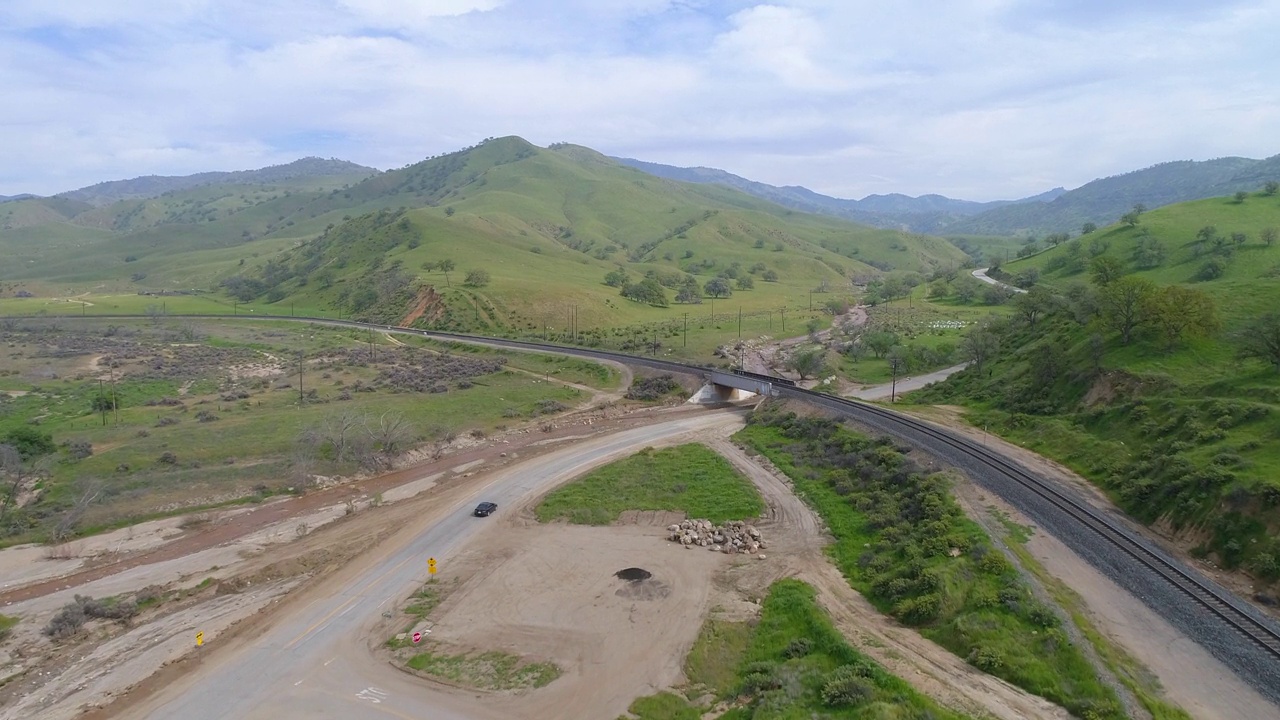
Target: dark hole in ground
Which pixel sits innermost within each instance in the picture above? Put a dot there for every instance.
(633, 574)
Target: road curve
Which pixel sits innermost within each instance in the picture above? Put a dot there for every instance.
(309, 664)
(1195, 604)
(981, 274)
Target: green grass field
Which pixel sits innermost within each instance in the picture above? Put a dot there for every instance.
(691, 479)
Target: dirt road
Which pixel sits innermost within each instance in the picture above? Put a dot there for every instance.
(904, 385)
(314, 662)
(981, 274)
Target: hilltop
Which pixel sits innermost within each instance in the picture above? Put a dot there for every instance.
(1103, 201)
(546, 225)
(926, 214)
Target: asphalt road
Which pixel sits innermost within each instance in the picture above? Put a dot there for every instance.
(316, 662)
(981, 274)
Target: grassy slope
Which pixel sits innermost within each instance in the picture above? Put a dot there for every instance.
(1190, 436)
(516, 211)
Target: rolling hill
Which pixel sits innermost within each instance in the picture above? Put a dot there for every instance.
(547, 225)
(1103, 201)
(926, 214)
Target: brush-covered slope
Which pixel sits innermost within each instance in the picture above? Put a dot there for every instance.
(1181, 423)
(547, 226)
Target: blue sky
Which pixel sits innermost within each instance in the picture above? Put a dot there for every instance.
(978, 99)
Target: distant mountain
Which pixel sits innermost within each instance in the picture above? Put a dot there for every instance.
(927, 213)
(23, 196)
(151, 186)
(1103, 201)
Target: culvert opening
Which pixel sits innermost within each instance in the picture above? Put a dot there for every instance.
(633, 574)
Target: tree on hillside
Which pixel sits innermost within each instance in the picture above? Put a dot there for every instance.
(689, 291)
(1124, 304)
(1239, 238)
(1179, 313)
(648, 291)
(1105, 270)
(1148, 253)
(1240, 196)
(769, 276)
(1268, 236)
(1271, 187)
(880, 341)
(1207, 234)
(445, 266)
(979, 346)
(1033, 304)
(746, 283)
(477, 278)
(1131, 218)
(1057, 239)
(1087, 228)
(718, 287)
(29, 442)
(808, 363)
(1261, 339)
(617, 278)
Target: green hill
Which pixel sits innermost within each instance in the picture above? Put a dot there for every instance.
(546, 225)
(1178, 424)
(1103, 201)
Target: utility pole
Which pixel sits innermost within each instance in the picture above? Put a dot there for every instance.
(235, 307)
(739, 322)
(102, 396)
(784, 318)
(810, 301)
(686, 330)
(893, 388)
(300, 400)
(115, 404)
(655, 341)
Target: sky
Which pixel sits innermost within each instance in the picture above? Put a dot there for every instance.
(974, 99)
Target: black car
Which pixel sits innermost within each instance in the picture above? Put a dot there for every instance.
(485, 509)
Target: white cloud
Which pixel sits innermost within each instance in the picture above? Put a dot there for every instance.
(971, 98)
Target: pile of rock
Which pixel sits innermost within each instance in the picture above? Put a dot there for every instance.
(734, 536)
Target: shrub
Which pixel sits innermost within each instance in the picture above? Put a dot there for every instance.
(985, 659)
(652, 388)
(67, 622)
(167, 458)
(798, 648)
(846, 685)
(79, 449)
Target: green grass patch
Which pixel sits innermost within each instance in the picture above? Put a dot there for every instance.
(664, 706)
(714, 659)
(902, 541)
(490, 670)
(691, 479)
(7, 622)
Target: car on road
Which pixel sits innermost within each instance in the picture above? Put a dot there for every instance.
(485, 509)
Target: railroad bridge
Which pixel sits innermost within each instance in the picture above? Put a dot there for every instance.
(731, 385)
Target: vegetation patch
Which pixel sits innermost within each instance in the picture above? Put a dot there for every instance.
(6, 626)
(795, 664)
(902, 541)
(653, 388)
(691, 479)
(491, 670)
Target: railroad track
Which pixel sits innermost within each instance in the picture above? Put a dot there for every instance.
(1219, 603)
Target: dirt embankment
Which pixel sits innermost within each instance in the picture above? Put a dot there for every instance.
(428, 304)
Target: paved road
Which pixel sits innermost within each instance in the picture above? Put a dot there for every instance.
(981, 274)
(906, 384)
(315, 662)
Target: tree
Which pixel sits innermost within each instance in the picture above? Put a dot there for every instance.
(1271, 187)
(1268, 236)
(1124, 304)
(746, 283)
(880, 341)
(808, 363)
(689, 291)
(648, 291)
(617, 278)
(1240, 196)
(1179, 312)
(1130, 218)
(1260, 339)
(769, 276)
(1105, 270)
(979, 346)
(718, 287)
(1088, 228)
(477, 278)
(1057, 239)
(446, 266)
(1034, 303)
(1148, 253)
(390, 433)
(1239, 238)
(1207, 234)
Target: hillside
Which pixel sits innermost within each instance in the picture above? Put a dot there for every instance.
(1146, 358)
(152, 186)
(546, 225)
(926, 214)
(1103, 201)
